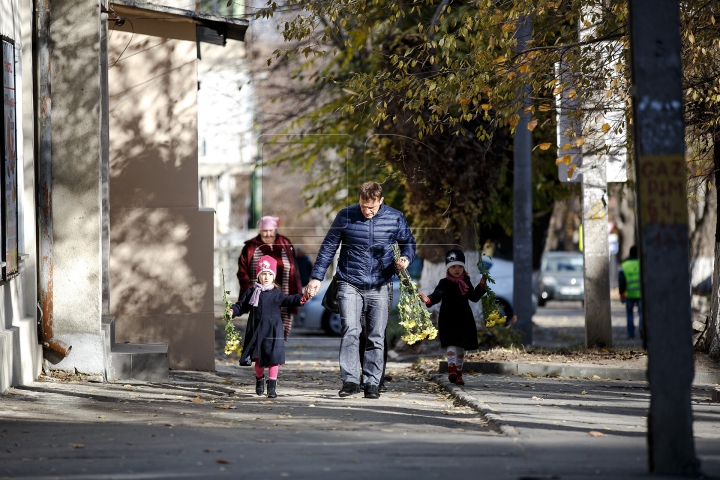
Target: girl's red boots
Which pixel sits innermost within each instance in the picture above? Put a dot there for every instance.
(452, 373)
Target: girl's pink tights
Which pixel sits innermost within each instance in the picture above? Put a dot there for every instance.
(272, 371)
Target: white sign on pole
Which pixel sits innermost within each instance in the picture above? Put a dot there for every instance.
(591, 134)
(568, 128)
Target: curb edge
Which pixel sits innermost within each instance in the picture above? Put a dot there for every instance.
(578, 371)
(492, 418)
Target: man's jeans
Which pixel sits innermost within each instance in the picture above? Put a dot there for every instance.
(629, 304)
(373, 303)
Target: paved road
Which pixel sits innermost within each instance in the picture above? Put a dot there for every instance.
(563, 324)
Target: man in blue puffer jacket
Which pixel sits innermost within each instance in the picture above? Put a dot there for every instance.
(365, 234)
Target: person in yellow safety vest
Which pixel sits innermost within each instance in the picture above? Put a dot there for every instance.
(629, 283)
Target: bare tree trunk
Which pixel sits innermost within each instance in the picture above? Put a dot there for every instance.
(710, 342)
(702, 241)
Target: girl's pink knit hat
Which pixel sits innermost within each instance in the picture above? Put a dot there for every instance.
(266, 263)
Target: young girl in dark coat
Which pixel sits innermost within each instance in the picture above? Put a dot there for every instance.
(456, 322)
(264, 337)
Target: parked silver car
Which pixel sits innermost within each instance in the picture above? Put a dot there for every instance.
(561, 277)
(501, 271)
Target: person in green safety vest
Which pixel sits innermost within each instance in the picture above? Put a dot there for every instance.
(629, 283)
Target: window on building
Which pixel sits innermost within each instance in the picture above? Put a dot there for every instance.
(9, 167)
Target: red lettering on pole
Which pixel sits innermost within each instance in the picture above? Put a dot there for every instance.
(662, 194)
(678, 170)
(675, 188)
(647, 169)
(652, 187)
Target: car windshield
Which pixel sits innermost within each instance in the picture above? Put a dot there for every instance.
(563, 264)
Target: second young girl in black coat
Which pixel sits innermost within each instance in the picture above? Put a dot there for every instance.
(456, 323)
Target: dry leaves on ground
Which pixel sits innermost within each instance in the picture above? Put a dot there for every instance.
(559, 355)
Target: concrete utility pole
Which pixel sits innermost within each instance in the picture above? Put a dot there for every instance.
(522, 208)
(598, 322)
(663, 232)
(598, 327)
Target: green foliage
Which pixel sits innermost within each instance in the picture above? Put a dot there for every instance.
(232, 336)
(425, 94)
(700, 26)
(414, 317)
(446, 65)
(489, 303)
(499, 336)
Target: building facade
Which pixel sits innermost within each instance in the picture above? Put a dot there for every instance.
(104, 242)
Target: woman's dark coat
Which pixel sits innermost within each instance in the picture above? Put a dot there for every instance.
(456, 321)
(265, 327)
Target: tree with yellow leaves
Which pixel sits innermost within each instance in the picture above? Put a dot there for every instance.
(424, 83)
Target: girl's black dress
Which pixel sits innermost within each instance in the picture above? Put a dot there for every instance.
(456, 324)
(265, 327)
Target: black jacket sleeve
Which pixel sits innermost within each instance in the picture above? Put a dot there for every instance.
(243, 304)
(437, 295)
(476, 293)
(291, 300)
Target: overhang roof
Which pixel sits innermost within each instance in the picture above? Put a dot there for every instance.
(227, 27)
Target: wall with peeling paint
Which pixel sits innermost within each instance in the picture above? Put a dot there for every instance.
(75, 265)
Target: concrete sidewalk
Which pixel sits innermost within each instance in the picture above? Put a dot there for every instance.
(589, 414)
(212, 425)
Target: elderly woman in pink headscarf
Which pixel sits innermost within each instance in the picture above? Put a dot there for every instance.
(269, 242)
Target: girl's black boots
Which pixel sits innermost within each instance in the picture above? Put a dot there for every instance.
(260, 385)
(271, 386)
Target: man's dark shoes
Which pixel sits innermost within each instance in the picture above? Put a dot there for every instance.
(260, 385)
(382, 387)
(372, 391)
(349, 388)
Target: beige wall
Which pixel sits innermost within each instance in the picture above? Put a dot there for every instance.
(161, 244)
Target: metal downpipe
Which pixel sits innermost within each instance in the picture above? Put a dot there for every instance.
(55, 350)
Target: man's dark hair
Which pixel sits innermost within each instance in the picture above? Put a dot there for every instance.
(633, 252)
(371, 191)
